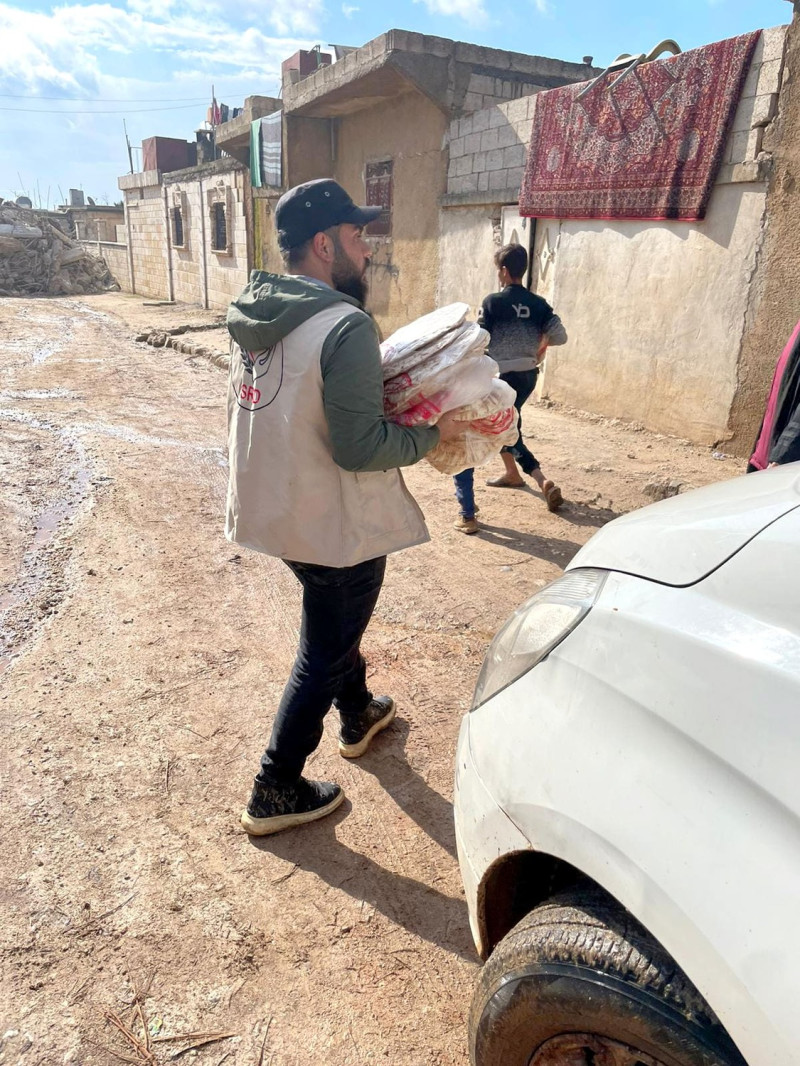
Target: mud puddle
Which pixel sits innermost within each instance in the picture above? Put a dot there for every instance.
(39, 350)
(39, 584)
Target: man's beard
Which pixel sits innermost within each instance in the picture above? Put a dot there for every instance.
(345, 275)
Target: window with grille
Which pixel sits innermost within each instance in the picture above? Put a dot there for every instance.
(219, 228)
(378, 181)
(177, 227)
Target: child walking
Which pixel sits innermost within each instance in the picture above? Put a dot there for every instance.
(522, 326)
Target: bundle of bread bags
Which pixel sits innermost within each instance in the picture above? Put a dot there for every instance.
(438, 363)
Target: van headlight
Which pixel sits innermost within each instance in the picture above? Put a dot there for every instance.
(535, 628)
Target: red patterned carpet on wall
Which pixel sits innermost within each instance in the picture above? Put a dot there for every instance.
(646, 143)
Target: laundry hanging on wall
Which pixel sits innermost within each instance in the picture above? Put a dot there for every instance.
(266, 159)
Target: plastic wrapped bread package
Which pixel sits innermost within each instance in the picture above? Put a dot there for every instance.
(491, 423)
(437, 364)
(438, 378)
(399, 352)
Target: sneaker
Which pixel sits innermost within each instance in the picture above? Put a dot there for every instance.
(466, 525)
(276, 807)
(358, 730)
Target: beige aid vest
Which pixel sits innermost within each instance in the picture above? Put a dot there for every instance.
(286, 495)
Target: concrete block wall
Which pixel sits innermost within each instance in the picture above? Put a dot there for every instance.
(148, 247)
(744, 158)
(116, 258)
(488, 148)
(187, 269)
(227, 272)
(484, 90)
(193, 272)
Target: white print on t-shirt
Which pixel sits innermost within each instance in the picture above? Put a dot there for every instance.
(522, 310)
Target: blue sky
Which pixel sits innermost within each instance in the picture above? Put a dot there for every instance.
(113, 60)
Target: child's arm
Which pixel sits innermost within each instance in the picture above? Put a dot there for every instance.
(553, 331)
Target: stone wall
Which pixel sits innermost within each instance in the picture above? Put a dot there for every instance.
(187, 259)
(655, 311)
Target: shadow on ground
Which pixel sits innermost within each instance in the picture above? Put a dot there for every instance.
(584, 514)
(421, 909)
(550, 549)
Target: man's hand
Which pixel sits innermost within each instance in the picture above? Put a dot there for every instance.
(449, 427)
(542, 350)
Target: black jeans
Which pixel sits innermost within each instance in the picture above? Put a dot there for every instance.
(329, 668)
(523, 382)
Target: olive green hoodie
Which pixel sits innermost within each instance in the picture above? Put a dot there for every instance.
(271, 306)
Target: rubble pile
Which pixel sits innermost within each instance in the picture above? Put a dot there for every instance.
(39, 259)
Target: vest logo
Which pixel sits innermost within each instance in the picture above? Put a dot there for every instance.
(258, 381)
(522, 310)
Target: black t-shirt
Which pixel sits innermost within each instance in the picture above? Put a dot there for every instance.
(516, 319)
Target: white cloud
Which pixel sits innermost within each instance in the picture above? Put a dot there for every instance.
(543, 7)
(62, 52)
(156, 50)
(471, 11)
(348, 10)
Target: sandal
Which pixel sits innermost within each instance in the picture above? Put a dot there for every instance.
(552, 496)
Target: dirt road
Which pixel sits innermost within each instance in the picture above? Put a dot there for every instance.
(140, 659)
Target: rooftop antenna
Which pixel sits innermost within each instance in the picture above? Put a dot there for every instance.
(128, 142)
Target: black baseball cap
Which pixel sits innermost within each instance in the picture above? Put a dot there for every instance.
(316, 206)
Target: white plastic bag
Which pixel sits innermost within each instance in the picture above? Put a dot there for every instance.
(492, 423)
(464, 382)
(423, 337)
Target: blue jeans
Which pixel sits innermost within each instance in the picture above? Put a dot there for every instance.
(523, 382)
(329, 668)
(465, 492)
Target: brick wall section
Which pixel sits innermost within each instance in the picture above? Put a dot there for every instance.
(488, 147)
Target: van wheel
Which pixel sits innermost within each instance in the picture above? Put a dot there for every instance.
(579, 982)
